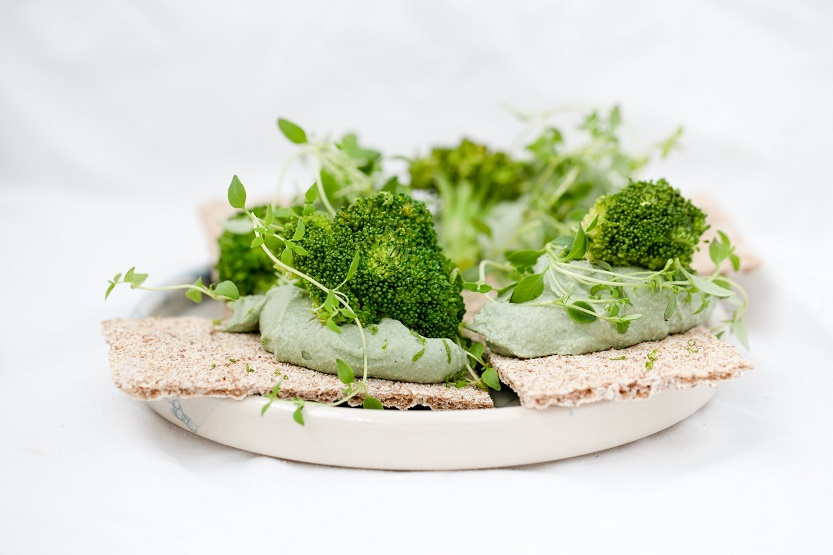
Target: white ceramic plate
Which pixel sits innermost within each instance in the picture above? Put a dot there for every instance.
(417, 439)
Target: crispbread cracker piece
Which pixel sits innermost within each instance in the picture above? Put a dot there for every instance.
(683, 360)
(187, 357)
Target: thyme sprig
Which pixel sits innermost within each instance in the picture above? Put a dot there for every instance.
(223, 291)
(337, 166)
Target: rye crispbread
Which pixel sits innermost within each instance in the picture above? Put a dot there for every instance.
(683, 360)
(186, 357)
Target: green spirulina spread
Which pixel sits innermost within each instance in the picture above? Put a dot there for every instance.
(525, 330)
(291, 331)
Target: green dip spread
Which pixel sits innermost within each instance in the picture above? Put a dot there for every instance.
(527, 331)
(291, 330)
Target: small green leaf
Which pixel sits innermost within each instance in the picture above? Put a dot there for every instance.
(135, 280)
(286, 256)
(257, 241)
(372, 403)
(594, 291)
(195, 294)
(237, 194)
(718, 252)
(332, 325)
(330, 301)
(348, 313)
(269, 219)
(722, 282)
(671, 306)
(299, 231)
(354, 265)
(579, 247)
(345, 373)
(708, 287)
(579, 315)
(311, 194)
(528, 289)
(735, 261)
(292, 131)
(470, 286)
(484, 288)
(228, 290)
(593, 223)
(631, 317)
(490, 378)
(477, 350)
(298, 415)
(110, 289)
(524, 257)
(297, 249)
(703, 306)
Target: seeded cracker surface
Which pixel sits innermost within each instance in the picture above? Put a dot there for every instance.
(682, 361)
(187, 357)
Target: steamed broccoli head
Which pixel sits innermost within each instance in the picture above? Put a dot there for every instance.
(249, 269)
(493, 174)
(645, 225)
(402, 273)
(469, 181)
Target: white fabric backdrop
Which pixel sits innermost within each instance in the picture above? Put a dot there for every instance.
(118, 118)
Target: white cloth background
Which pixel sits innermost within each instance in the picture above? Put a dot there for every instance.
(118, 118)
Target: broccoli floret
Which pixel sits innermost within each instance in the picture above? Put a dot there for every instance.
(645, 224)
(249, 269)
(469, 181)
(402, 273)
(493, 175)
